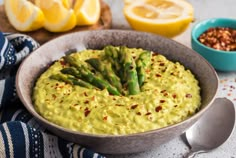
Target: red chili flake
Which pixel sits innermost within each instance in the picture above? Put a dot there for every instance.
(232, 87)
(148, 113)
(154, 54)
(152, 59)
(175, 106)
(221, 81)
(188, 96)
(105, 118)
(62, 62)
(86, 112)
(147, 71)
(166, 94)
(54, 96)
(174, 95)
(134, 106)
(93, 98)
(85, 94)
(61, 86)
(158, 108)
(158, 75)
(57, 84)
(86, 102)
(76, 104)
(163, 91)
(113, 98)
(162, 64)
(162, 101)
(138, 113)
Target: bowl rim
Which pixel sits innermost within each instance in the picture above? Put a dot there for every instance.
(40, 118)
(205, 22)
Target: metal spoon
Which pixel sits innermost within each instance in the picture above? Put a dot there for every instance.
(213, 129)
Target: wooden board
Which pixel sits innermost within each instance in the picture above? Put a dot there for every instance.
(43, 35)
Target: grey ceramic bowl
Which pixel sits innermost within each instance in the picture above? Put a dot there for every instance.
(38, 61)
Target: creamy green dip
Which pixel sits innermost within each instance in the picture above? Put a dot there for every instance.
(170, 95)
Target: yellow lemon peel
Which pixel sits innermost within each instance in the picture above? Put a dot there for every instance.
(57, 17)
(87, 11)
(24, 15)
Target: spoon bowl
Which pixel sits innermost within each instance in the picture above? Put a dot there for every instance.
(213, 128)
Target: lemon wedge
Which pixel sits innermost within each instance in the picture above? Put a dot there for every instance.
(68, 3)
(23, 15)
(58, 17)
(87, 11)
(164, 17)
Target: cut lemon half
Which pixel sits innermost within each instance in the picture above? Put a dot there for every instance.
(58, 18)
(23, 15)
(164, 17)
(87, 11)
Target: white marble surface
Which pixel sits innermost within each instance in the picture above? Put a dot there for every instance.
(204, 9)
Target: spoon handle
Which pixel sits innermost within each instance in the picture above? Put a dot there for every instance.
(192, 153)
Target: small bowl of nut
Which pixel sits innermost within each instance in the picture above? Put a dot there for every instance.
(215, 40)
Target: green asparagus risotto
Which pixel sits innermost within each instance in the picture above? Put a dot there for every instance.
(116, 91)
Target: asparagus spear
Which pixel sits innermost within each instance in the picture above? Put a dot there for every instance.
(71, 80)
(142, 63)
(86, 75)
(71, 71)
(105, 69)
(112, 53)
(72, 61)
(114, 56)
(130, 72)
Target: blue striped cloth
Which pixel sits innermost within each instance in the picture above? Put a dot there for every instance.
(20, 134)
